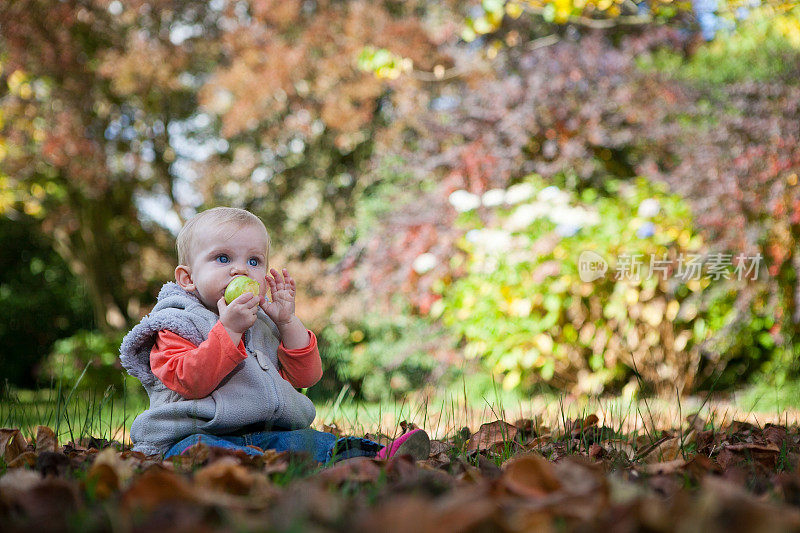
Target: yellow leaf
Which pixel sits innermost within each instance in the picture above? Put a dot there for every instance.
(511, 380)
(544, 342)
(513, 10)
(653, 313)
(672, 310)
(520, 307)
(631, 296)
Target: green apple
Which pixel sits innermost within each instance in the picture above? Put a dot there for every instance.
(240, 285)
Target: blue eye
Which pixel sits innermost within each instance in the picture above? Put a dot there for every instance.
(223, 258)
(253, 262)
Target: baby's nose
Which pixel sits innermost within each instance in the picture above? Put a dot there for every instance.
(237, 269)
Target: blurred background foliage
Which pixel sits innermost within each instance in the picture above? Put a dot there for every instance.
(430, 173)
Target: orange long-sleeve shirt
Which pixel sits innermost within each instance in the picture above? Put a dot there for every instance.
(195, 371)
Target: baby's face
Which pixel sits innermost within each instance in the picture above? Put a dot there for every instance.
(224, 252)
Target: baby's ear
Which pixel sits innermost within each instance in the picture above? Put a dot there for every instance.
(183, 277)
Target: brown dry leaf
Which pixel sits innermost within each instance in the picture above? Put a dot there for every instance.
(460, 511)
(380, 438)
(104, 480)
(332, 429)
(525, 425)
(465, 510)
(402, 468)
(355, 469)
(527, 429)
(45, 505)
(621, 447)
(752, 447)
(273, 462)
(196, 454)
(531, 476)
(667, 450)
(394, 516)
(775, 435)
(52, 463)
(721, 502)
(597, 452)
(490, 435)
(522, 519)
(667, 467)
(464, 471)
(765, 454)
(226, 475)
(538, 442)
(437, 461)
(408, 426)
(46, 440)
(108, 473)
(699, 465)
(155, 487)
(579, 426)
(25, 459)
(438, 447)
(11, 444)
(18, 481)
(580, 477)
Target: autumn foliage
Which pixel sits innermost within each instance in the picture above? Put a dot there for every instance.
(502, 477)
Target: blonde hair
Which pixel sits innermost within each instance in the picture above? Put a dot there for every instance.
(216, 216)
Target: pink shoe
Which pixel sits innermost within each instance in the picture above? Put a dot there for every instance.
(415, 443)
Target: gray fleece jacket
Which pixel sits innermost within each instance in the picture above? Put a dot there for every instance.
(253, 393)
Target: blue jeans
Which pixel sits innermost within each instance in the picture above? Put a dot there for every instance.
(323, 447)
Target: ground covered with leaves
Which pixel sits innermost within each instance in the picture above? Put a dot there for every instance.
(503, 477)
(523, 476)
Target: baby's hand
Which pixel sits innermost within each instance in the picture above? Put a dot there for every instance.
(282, 290)
(240, 314)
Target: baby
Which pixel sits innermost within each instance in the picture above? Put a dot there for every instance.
(226, 374)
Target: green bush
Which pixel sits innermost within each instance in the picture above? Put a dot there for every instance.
(382, 357)
(763, 47)
(521, 307)
(88, 359)
(40, 300)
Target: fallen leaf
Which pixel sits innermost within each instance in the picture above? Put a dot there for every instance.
(380, 438)
(332, 429)
(620, 446)
(766, 454)
(355, 469)
(108, 473)
(273, 462)
(667, 467)
(775, 435)
(155, 487)
(721, 502)
(102, 481)
(52, 463)
(700, 465)
(531, 476)
(490, 435)
(597, 452)
(48, 504)
(579, 426)
(579, 476)
(46, 440)
(25, 459)
(11, 444)
(438, 447)
(488, 468)
(226, 475)
(407, 426)
(18, 480)
(437, 461)
(667, 450)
